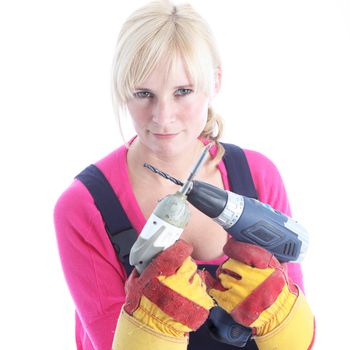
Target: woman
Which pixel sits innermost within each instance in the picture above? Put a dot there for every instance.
(166, 73)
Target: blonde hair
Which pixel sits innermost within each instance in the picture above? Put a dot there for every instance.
(161, 32)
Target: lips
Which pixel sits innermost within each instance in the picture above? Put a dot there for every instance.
(165, 135)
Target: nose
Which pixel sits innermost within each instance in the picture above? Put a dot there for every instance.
(163, 112)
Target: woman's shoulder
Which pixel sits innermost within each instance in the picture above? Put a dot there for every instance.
(262, 168)
(76, 198)
(258, 160)
(267, 180)
(72, 202)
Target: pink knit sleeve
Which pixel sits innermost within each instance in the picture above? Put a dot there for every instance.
(271, 190)
(94, 276)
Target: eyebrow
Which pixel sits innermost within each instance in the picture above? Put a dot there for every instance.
(175, 87)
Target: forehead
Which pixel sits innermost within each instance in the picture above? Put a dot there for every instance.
(168, 74)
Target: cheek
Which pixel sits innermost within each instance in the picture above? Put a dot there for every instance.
(134, 108)
(138, 113)
(198, 111)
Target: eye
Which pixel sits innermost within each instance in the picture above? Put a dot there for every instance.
(183, 92)
(142, 94)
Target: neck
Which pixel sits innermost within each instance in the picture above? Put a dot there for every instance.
(177, 165)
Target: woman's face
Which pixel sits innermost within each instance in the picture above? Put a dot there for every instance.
(168, 115)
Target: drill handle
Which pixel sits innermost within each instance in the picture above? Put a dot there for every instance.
(225, 330)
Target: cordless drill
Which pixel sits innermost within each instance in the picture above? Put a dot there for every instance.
(245, 219)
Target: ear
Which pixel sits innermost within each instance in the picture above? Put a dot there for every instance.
(217, 82)
(218, 77)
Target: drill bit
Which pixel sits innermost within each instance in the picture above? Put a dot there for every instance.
(186, 185)
(163, 174)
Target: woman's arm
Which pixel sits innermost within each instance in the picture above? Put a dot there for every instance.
(94, 276)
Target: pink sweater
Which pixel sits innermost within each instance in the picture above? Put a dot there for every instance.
(93, 273)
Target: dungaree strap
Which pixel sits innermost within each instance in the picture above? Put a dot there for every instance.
(117, 224)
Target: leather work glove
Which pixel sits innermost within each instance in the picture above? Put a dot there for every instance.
(164, 303)
(254, 288)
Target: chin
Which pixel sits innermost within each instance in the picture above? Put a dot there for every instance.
(169, 145)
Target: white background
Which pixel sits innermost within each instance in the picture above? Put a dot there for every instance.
(285, 93)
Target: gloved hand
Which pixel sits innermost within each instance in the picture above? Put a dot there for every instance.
(168, 299)
(254, 288)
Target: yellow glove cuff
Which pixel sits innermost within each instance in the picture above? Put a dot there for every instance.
(151, 315)
(131, 334)
(273, 316)
(295, 332)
